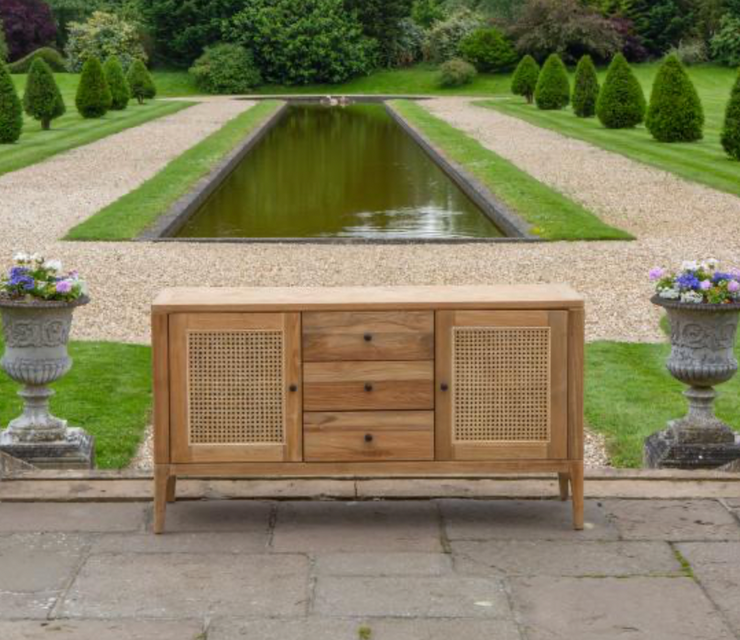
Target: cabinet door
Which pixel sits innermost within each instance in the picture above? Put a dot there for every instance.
(235, 387)
(502, 384)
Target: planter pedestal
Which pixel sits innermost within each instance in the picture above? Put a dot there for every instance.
(76, 450)
(702, 344)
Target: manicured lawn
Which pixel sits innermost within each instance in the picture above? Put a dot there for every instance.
(108, 392)
(71, 130)
(703, 161)
(551, 214)
(630, 394)
(133, 213)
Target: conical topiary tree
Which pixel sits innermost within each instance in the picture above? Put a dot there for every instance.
(93, 94)
(553, 86)
(140, 82)
(42, 99)
(117, 83)
(585, 89)
(621, 102)
(675, 113)
(11, 112)
(525, 77)
(731, 130)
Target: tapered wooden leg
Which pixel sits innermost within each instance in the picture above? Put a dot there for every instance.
(576, 487)
(161, 484)
(563, 479)
(171, 488)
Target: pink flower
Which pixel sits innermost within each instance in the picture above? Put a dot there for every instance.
(705, 285)
(733, 286)
(64, 286)
(657, 273)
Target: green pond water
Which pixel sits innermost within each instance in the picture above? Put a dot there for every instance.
(338, 172)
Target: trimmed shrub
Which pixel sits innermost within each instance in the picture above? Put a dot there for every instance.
(675, 113)
(303, 41)
(443, 39)
(730, 137)
(93, 94)
(117, 83)
(488, 50)
(11, 112)
(140, 82)
(621, 103)
(456, 73)
(585, 88)
(102, 36)
(50, 56)
(29, 24)
(553, 86)
(43, 101)
(226, 68)
(525, 78)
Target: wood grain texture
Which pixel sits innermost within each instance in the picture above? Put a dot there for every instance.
(369, 435)
(576, 361)
(161, 382)
(368, 335)
(355, 386)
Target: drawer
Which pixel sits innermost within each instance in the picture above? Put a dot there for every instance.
(368, 335)
(351, 386)
(368, 435)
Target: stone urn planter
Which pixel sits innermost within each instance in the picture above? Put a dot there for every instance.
(36, 333)
(702, 356)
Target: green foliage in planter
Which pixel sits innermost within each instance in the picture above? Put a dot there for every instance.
(621, 103)
(675, 113)
(50, 56)
(585, 89)
(525, 78)
(731, 129)
(553, 86)
(226, 68)
(93, 94)
(43, 101)
(488, 50)
(140, 82)
(298, 42)
(11, 112)
(456, 73)
(117, 83)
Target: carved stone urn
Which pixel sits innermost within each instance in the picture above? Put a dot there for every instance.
(36, 335)
(702, 356)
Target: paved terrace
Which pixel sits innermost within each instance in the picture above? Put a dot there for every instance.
(442, 569)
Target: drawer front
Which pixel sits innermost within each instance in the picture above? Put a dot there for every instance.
(368, 435)
(354, 386)
(368, 335)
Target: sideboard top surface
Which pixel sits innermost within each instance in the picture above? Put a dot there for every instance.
(244, 299)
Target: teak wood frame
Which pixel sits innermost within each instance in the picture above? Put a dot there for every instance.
(321, 440)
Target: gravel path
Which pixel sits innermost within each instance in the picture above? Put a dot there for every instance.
(673, 220)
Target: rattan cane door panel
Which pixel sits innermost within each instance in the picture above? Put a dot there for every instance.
(236, 387)
(501, 385)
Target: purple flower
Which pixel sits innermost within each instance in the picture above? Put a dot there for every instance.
(705, 285)
(64, 286)
(733, 286)
(656, 274)
(719, 276)
(17, 272)
(687, 281)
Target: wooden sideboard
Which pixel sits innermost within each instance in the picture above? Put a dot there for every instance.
(365, 381)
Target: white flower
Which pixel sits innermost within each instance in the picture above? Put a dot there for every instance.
(692, 296)
(670, 294)
(36, 257)
(53, 265)
(689, 265)
(21, 257)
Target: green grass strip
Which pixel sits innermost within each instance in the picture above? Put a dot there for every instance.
(107, 392)
(131, 214)
(551, 215)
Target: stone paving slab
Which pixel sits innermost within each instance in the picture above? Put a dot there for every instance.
(561, 558)
(552, 608)
(249, 516)
(378, 628)
(411, 597)
(358, 526)
(382, 564)
(717, 567)
(102, 630)
(672, 520)
(34, 569)
(522, 520)
(173, 585)
(71, 517)
(182, 542)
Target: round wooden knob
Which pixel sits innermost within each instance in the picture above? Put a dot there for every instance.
(368, 386)
(368, 337)
(444, 386)
(293, 388)
(368, 437)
